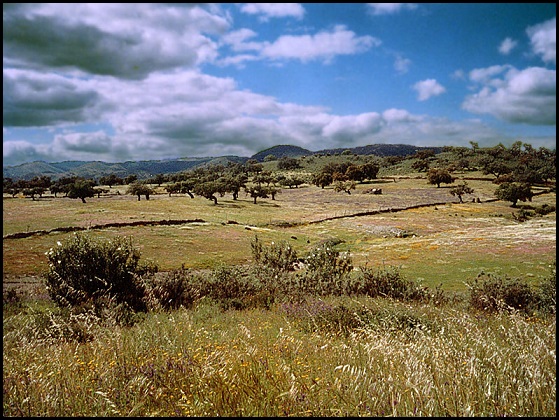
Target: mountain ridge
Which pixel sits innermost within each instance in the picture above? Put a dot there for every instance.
(148, 168)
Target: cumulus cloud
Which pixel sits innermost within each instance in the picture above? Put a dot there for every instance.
(193, 114)
(428, 88)
(402, 64)
(35, 99)
(274, 10)
(543, 38)
(520, 96)
(389, 8)
(321, 46)
(507, 46)
(110, 39)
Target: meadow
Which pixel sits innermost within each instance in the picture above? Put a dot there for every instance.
(323, 356)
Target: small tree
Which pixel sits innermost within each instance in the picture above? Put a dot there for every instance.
(461, 190)
(258, 191)
(140, 189)
(439, 176)
(207, 190)
(514, 192)
(345, 186)
(111, 180)
(82, 189)
(288, 163)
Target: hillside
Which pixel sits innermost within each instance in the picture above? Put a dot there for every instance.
(281, 151)
(147, 168)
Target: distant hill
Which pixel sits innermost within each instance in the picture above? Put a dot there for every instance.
(147, 168)
(283, 150)
(382, 150)
(143, 169)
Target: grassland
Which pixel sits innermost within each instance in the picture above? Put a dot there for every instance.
(442, 243)
(296, 358)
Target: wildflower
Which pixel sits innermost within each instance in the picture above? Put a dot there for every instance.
(58, 243)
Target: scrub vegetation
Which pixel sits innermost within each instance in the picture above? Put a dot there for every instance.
(282, 298)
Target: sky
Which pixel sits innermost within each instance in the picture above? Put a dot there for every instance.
(138, 81)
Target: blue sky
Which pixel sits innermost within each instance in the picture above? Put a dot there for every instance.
(117, 82)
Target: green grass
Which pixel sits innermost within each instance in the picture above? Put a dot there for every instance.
(452, 242)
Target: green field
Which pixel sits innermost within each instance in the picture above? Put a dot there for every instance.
(319, 356)
(445, 244)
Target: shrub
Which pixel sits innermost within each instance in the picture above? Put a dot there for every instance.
(388, 283)
(494, 293)
(230, 287)
(83, 270)
(279, 258)
(172, 289)
(327, 272)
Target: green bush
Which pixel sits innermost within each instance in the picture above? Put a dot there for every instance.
(388, 283)
(494, 293)
(83, 270)
(172, 289)
(230, 287)
(278, 258)
(547, 291)
(327, 272)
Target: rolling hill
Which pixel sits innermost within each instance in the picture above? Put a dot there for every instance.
(147, 168)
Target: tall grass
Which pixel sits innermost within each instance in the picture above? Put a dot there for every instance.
(334, 356)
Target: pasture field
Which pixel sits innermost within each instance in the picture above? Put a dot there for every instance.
(320, 356)
(444, 243)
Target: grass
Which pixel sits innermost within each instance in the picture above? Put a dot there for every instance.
(206, 362)
(452, 241)
(336, 356)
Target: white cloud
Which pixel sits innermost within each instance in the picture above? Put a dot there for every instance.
(428, 88)
(110, 39)
(543, 38)
(519, 96)
(274, 10)
(507, 46)
(389, 8)
(402, 64)
(321, 46)
(324, 45)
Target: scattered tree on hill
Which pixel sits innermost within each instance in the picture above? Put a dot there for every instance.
(257, 191)
(437, 177)
(321, 179)
(82, 189)
(159, 179)
(345, 186)
(130, 179)
(33, 191)
(288, 163)
(270, 158)
(291, 181)
(514, 192)
(139, 189)
(111, 180)
(461, 190)
(207, 189)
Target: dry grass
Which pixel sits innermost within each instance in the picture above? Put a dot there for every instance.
(204, 362)
(452, 242)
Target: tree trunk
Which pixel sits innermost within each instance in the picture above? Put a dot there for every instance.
(83, 199)
(138, 197)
